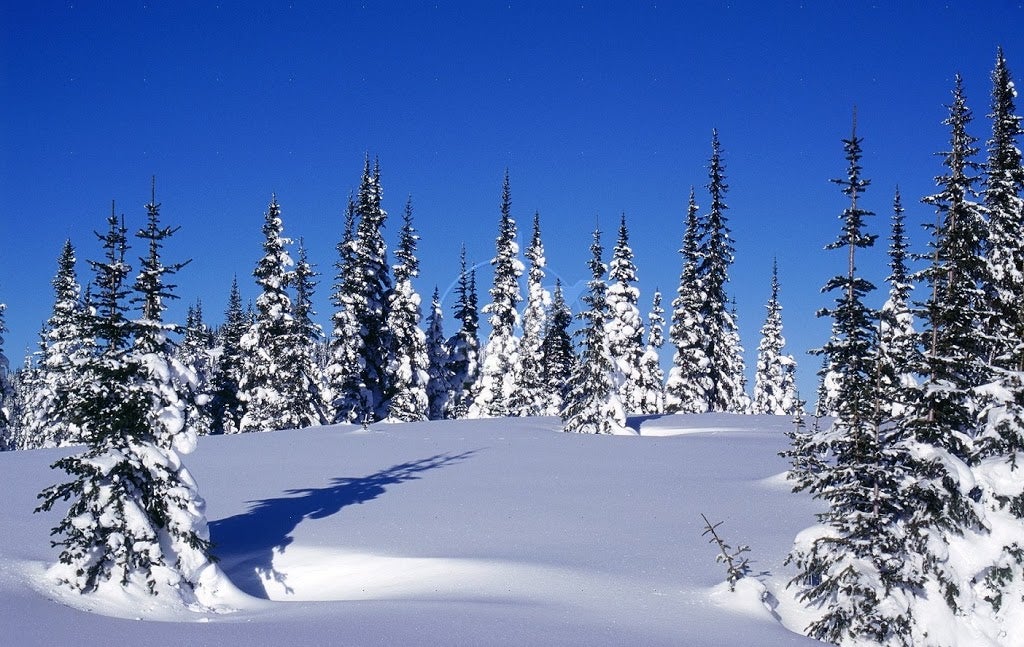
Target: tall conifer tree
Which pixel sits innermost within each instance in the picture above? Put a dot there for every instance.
(304, 386)
(717, 250)
(341, 375)
(559, 360)
(65, 346)
(135, 514)
(530, 395)
(439, 384)
(172, 385)
(464, 354)
(501, 355)
(624, 326)
(226, 408)
(857, 561)
(688, 383)
(408, 370)
(591, 405)
(266, 344)
(774, 389)
(651, 384)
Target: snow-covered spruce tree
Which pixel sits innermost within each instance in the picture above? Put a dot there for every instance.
(1002, 434)
(22, 385)
(955, 354)
(501, 353)
(897, 339)
(408, 370)
(64, 347)
(135, 515)
(1004, 200)
(686, 390)
(343, 388)
(943, 411)
(264, 383)
(624, 328)
(196, 352)
(439, 382)
(651, 384)
(361, 343)
(774, 390)
(305, 386)
(226, 407)
(716, 253)
(372, 263)
(464, 346)
(171, 385)
(591, 405)
(1000, 446)
(530, 396)
(559, 359)
(855, 564)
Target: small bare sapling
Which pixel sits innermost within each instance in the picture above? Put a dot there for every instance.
(736, 567)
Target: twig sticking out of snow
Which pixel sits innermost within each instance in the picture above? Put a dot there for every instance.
(735, 567)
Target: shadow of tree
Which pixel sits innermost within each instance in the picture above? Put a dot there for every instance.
(634, 422)
(245, 543)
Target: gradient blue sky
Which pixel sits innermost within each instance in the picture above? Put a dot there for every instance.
(596, 108)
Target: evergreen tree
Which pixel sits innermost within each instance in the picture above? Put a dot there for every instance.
(774, 390)
(151, 287)
(439, 383)
(300, 365)
(409, 365)
(23, 383)
(197, 342)
(226, 407)
(591, 405)
(64, 347)
(530, 396)
(196, 353)
(942, 414)
(651, 384)
(464, 346)
(897, 339)
(1004, 200)
(341, 375)
(170, 383)
(856, 565)
(1003, 433)
(559, 357)
(135, 514)
(725, 369)
(501, 354)
(954, 313)
(365, 293)
(624, 327)
(265, 346)
(688, 382)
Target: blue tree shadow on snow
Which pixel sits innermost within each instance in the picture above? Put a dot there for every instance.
(245, 543)
(634, 422)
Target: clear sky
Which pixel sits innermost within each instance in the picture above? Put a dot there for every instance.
(595, 108)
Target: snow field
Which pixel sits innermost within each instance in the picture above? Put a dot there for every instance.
(489, 532)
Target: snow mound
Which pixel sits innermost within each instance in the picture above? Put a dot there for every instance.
(747, 599)
(306, 573)
(134, 601)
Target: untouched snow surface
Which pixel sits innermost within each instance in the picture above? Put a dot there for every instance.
(485, 532)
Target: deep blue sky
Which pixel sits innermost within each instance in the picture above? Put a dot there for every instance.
(595, 108)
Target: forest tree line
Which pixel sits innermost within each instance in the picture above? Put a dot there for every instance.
(271, 366)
